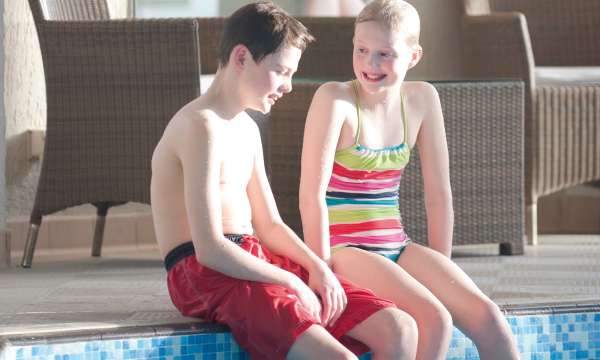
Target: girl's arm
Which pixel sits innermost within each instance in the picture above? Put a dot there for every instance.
(321, 133)
(266, 220)
(280, 239)
(433, 151)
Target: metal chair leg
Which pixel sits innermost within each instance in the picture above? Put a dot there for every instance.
(531, 224)
(99, 229)
(32, 236)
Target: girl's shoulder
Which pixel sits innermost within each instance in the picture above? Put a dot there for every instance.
(419, 89)
(336, 91)
(420, 95)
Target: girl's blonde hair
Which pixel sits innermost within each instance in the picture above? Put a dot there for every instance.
(396, 15)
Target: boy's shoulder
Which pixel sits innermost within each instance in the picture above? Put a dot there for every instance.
(196, 123)
(193, 120)
(192, 126)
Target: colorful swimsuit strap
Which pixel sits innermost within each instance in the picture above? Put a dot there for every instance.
(357, 102)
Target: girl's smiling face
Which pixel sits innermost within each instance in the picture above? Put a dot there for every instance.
(381, 56)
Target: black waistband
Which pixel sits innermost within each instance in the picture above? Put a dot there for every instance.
(186, 249)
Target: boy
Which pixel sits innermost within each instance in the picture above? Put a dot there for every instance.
(209, 180)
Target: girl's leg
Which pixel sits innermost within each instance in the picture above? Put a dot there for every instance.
(472, 311)
(317, 343)
(389, 333)
(390, 281)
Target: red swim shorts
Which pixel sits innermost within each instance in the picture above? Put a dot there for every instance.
(265, 319)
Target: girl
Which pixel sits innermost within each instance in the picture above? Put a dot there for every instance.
(357, 142)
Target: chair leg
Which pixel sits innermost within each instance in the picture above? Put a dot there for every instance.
(531, 223)
(32, 236)
(508, 248)
(99, 229)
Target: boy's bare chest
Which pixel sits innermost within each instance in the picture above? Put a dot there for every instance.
(237, 161)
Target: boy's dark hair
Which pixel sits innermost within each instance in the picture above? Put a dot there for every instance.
(263, 28)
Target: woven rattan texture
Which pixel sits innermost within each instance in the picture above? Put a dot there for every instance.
(209, 31)
(111, 88)
(561, 122)
(563, 33)
(566, 137)
(77, 10)
(484, 131)
(329, 57)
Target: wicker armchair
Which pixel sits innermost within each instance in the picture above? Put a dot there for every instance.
(111, 88)
(484, 122)
(330, 57)
(529, 39)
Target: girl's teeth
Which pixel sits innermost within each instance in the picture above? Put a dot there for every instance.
(372, 77)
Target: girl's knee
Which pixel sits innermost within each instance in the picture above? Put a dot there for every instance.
(488, 317)
(342, 355)
(398, 335)
(436, 321)
(324, 351)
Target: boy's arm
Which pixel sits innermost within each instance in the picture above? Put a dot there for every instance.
(433, 151)
(200, 157)
(280, 239)
(321, 133)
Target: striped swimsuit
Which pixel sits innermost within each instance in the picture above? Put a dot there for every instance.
(362, 195)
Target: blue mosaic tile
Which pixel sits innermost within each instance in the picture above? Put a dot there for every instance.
(539, 337)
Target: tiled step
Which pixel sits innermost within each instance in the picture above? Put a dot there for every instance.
(549, 331)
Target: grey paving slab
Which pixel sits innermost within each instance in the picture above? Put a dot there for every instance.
(126, 287)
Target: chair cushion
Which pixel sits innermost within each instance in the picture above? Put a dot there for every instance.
(567, 75)
(205, 81)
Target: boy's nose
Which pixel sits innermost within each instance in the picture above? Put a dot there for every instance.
(287, 86)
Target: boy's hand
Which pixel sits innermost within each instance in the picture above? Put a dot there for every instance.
(307, 297)
(323, 282)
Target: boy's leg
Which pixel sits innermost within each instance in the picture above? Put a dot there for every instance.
(317, 343)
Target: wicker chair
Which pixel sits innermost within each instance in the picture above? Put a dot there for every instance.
(527, 39)
(330, 57)
(484, 122)
(111, 88)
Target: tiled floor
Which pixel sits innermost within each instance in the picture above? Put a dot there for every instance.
(126, 287)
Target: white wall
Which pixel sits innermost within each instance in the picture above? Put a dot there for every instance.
(118, 8)
(24, 103)
(177, 8)
(2, 122)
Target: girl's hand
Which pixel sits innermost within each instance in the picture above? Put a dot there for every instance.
(333, 297)
(307, 297)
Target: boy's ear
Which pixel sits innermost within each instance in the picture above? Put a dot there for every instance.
(417, 55)
(239, 56)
